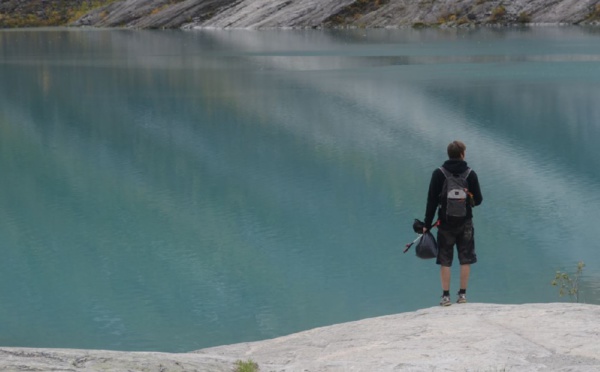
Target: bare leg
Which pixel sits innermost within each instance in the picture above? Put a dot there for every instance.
(465, 271)
(445, 276)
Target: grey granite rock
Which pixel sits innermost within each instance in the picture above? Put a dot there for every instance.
(152, 13)
(336, 13)
(276, 13)
(408, 12)
(471, 337)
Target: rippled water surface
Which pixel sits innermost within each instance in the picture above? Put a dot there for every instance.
(167, 190)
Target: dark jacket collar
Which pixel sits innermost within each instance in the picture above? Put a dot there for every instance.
(455, 166)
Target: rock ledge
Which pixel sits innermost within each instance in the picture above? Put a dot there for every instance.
(471, 337)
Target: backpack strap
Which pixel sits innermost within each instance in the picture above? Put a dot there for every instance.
(446, 173)
(464, 175)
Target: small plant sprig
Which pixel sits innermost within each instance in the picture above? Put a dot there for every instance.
(247, 366)
(567, 284)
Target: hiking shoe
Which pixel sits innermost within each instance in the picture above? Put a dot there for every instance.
(462, 298)
(445, 301)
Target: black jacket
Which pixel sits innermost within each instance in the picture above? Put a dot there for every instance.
(455, 166)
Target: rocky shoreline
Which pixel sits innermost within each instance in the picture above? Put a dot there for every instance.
(259, 14)
(471, 337)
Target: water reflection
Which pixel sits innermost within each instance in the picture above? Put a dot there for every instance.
(178, 190)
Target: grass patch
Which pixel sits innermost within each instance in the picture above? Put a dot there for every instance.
(247, 366)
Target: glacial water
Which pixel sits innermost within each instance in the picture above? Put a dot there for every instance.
(171, 190)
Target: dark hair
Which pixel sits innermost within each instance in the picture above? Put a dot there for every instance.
(456, 149)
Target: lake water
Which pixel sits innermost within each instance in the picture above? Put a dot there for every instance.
(170, 190)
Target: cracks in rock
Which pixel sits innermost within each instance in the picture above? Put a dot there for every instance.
(520, 335)
(350, 13)
(26, 354)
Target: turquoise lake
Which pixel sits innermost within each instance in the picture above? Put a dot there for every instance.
(176, 190)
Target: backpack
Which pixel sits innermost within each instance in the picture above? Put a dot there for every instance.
(455, 194)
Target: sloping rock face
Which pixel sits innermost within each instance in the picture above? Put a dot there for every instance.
(153, 13)
(410, 12)
(214, 13)
(276, 13)
(474, 337)
(337, 13)
(470, 337)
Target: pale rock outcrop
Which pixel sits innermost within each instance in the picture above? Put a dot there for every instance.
(276, 14)
(336, 13)
(470, 337)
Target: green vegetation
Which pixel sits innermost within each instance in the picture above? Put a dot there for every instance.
(51, 13)
(447, 18)
(569, 284)
(524, 18)
(498, 14)
(247, 366)
(595, 13)
(50, 18)
(85, 7)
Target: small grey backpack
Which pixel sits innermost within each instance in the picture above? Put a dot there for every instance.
(455, 194)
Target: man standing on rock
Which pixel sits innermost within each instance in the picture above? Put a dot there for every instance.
(454, 188)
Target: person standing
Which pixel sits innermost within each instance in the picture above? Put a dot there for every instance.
(454, 191)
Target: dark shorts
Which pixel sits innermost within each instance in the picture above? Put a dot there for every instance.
(463, 237)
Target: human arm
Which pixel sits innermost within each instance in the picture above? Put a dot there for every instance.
(433, 197)
(474, 188)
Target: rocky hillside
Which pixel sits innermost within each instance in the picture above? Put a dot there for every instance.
(36, 13)
(293, 13)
